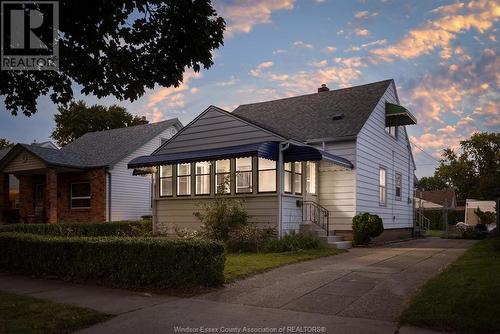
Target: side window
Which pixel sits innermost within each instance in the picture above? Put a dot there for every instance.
(244, 175)
(398, 185)
(166, 178)
(382, 190)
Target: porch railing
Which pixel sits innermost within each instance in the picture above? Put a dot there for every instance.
(316, 214)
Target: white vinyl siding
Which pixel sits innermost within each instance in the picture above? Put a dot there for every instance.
(375, 148)
(131, 195)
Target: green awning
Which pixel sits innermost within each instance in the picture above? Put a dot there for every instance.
(398, 115)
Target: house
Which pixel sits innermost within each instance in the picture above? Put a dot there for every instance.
(436, 199)
(86, 180)
(471, 205)
(318, 159)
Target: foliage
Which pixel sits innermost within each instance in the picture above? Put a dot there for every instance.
(27, 315)
(294, 242)
(5, 143)
(240, 265)
(121, 229)
(77, 119)
(485, 217)
(222, 216)
(437, 219)
(458, 299)
(120, 50)
(121, 262)
(474, 172)
(250, 238)
(366, 226)
(431, 183)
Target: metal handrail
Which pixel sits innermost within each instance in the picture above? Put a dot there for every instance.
(316, 214)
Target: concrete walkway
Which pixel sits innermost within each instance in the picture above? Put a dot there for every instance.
(357, 292)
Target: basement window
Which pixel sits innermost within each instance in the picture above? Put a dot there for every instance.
(80, 195)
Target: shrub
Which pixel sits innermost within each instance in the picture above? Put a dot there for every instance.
(294, 242)
(366, 226)
(121, 262)
(222, 216)
(250, 238)
(125, 228)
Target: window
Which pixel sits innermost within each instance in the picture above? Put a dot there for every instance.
(267, 175)
(166, 178)
(183, 179)
(243, 175)
(397, 182)
(382, 193)
(202, 173)
(392, 130)
(298, 177)
(288, 177)
(80, 195)
(223, 176)
(311, 177)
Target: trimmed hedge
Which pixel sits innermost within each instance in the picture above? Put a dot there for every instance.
(123, 229)
(114, 261)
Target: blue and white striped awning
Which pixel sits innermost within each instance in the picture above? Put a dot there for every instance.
(267, 150)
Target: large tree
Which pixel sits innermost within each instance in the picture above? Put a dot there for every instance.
(120, 48)
(5, 143)
(77, 119)
(474, 170)
(431, 183)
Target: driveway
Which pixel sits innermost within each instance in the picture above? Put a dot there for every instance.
(357, 292)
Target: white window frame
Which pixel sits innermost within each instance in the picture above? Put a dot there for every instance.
(209, 174)
(259, 170)
(225, 174)
(80, 197)
(173, 167)
(310, 183)
(250, 172)
(382, 188)
(398, 198)
(188, 176)
(300, 176)
(392, 131)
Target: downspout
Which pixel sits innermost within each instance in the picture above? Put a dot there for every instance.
(282, 147)
(109, 195)
(154, 215)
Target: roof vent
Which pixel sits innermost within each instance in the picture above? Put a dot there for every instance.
(323, 88)
(338, 117)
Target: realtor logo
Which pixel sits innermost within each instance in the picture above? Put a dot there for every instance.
(29, 35)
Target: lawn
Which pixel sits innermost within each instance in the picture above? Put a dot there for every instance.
(21, 314)
(465, 297)
(247, 264)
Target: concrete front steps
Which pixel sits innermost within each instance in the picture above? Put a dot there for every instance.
(334, 241)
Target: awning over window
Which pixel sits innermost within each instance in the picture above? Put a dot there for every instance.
(398, 115)
(267, 150)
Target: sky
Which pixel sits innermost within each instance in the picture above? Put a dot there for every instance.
(443, 56)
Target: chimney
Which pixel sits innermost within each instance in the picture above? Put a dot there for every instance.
(323, 88)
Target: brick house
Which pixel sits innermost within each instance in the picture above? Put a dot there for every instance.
(85, 181)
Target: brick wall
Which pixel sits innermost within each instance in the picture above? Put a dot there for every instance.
(4, 195)
(97, 210)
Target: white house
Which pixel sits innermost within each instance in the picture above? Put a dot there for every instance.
(315, 159)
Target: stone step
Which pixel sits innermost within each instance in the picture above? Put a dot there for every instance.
(340, 244)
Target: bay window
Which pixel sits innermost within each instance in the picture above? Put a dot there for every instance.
(223, 176)
(311, 177)
(166, 178)
(298, 177)
(267, 175)
(184, 179)
(288, 177)
(202, 178)
(243, 175)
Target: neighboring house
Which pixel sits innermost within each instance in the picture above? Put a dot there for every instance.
(471, 205)
(293, 161)
(440, 198)
(86, 180)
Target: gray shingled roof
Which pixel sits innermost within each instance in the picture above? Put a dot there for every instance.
(310, 116)
(104, 148)
(3, 152)
(98, 149)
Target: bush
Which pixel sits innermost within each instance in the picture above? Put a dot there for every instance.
(124, 229)
(250, 238)
(293, 242)
(120, 262)
(222, 216)
(366, 226)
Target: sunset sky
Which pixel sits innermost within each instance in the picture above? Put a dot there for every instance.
(443, 56)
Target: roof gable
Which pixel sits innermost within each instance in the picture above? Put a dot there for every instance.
(331, 114)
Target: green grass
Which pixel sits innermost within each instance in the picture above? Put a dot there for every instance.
(465, 297)
(247, 264)
(21, 314)
(434, 233)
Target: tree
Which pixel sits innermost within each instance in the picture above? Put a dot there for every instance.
(120, 48)
(431, 183)
(77, 119)
(474, 172)
(5, 143)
